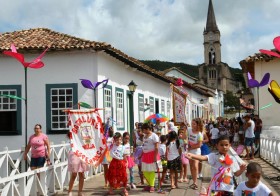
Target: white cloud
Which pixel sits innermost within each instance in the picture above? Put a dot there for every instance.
(153, 29)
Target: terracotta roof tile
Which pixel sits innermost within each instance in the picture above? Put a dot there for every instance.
(40, 38)
(258, 57)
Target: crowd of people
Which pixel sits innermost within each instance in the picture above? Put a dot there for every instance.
(170, 153)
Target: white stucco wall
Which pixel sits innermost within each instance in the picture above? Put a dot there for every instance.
(69, 67)
(177, 74)
(59, 68)
(270, 115)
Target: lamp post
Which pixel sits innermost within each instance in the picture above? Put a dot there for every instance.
(239, 95)
(132, 87)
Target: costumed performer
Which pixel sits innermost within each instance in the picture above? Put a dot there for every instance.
(116, 174)
(150, 156)
(76, 166)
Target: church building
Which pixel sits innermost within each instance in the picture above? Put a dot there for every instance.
(214, 73)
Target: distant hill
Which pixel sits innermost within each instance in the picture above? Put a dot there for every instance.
(163, 65)
(191, 70)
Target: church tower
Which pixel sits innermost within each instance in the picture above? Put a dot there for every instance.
(214, 73)
(212, 44)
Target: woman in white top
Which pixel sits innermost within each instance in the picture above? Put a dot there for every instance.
(150, 156)
(173, 154)
(195, 142)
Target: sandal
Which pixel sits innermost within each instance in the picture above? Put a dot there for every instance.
(194, 187)
(186, 180)
(125, 192)
(152, 189)
(146, 188)
(180, 180)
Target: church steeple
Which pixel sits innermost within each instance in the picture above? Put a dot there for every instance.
(211, 24)
(212, 44)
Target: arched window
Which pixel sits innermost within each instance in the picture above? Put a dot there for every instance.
(212, 56)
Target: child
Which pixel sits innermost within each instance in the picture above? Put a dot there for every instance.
(214, 132)
(138, 153)
(116, 174)
(223, 166)
(108, 158)
(236, 135)
(204, 151)
(173, 154)
(150, 157)
(253, 186)
(185, 161)
(162, 153)
(75, 166)
(130, 162)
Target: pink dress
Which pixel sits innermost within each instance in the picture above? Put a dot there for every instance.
(75, 164)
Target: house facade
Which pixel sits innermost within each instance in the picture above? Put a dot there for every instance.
(56, 87)
(257, 65)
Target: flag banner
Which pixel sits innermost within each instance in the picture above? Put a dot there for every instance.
(179, 105)
(87, 135)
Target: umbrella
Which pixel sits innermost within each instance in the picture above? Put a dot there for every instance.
(154, 117)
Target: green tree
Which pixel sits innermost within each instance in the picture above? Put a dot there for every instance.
(231, 100)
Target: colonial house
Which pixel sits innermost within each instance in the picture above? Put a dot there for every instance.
(202, 100)
(57, 87)
(257, 65)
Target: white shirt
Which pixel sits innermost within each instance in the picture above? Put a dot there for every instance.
(109, 142)
(194, 139)
(162, 150)
(117, 152)
(126, 149)
(213, 160)
(172, 151)
(214, 133)
(249, 133)
(149, 143)
(260, 190)
(139, 142)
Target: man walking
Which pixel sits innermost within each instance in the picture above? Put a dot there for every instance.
(249, 127)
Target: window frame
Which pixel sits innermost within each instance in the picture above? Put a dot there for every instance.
(119, 90)
(152, 105)
(162, 106)
(74, 87)
(19, 110)
(108, 87)
(141, 109)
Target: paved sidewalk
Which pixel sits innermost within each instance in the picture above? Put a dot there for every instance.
(94, 186)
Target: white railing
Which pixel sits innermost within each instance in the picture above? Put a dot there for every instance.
(47, 180)
(270, 150)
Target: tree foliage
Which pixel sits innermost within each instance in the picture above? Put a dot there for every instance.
(231, 100)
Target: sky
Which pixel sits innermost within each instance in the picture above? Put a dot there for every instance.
(166, 30)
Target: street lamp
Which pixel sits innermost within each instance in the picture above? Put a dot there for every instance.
(132, 87)
(239, 95)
